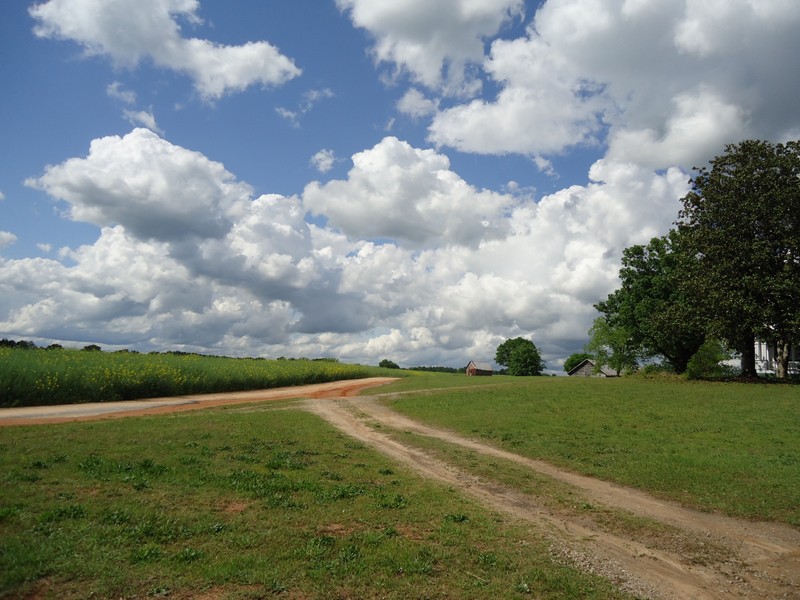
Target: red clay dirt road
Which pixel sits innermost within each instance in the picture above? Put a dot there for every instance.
(37, 415)
(748, 560)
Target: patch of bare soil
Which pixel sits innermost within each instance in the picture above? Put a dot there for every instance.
(748, 560)
(38, 415)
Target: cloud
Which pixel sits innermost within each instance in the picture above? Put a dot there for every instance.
(144, 118)
(312, 97)
(128, 31)
(409, 195)
(173, 220)
(6, 239)
(411, 262)
(434, 42)
(154, 189)
(290, 115)
(309, 100)
(323, 160)
(114, 90)
(416, 105)
(661, 83)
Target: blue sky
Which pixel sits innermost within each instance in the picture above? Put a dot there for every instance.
(364, 179)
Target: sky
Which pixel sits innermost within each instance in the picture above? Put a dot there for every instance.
(360, 179)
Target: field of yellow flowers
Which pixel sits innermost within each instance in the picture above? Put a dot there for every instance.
(37, 376)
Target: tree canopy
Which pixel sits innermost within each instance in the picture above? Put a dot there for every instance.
(521, 356)
(741, 226)
(730, 271)
(651, 305)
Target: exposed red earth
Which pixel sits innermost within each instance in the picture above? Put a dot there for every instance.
(36, 415)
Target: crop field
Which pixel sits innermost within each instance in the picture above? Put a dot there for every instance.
(32, 377)
(267, 500)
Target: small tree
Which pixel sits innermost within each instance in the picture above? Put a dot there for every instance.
(575, 359)
(521, 356)
(707, 361)
(388, 364)
(613, 346)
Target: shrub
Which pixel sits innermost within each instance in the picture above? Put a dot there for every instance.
(706, 362)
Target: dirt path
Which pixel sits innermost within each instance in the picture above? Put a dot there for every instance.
(761, 560)
(748, 560)
(37, 415)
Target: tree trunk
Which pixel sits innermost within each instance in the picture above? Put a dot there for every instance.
(747, 350)
(782, 359)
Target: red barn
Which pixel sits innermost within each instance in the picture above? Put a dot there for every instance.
(479, 368)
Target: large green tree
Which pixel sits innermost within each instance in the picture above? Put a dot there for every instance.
(521, 356)
(740, 223)
(652, 307)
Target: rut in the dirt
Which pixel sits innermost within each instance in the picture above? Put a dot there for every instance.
(763, 559)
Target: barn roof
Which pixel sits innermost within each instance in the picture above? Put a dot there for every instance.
(608, 372)
(481, 366)
(580, 365)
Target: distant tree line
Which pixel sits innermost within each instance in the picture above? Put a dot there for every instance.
(726, 275)
(440, 369)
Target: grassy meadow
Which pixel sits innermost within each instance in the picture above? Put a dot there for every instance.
(265, 500)
(730, 447)
(33, 377)
(245, 503)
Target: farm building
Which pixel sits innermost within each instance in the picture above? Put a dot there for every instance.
(585, 368)
(767, 358)
(479, 368)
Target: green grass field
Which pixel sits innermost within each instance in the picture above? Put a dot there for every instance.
(34, 377)
(264, 501)
(730, 447)
(243, 504)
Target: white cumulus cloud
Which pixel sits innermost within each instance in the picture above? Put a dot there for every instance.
(412, 261)
(435, 42)
(661, 83)
(403, 193)
(128, 31)
(154, 189)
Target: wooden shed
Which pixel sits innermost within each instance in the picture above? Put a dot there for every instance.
(479, 368)
(585, 368)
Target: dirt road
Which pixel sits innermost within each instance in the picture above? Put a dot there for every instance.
(683, 554)
(36, 415)
(746, 560)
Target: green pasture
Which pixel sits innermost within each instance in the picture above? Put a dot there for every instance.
(729, 447)
(245, 503)
(33, 377)
(265, 500)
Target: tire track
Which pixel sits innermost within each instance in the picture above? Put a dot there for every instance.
(767, 563)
